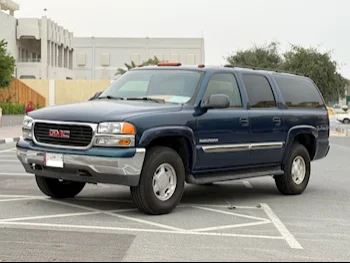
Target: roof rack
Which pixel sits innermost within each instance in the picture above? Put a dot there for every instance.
(266, 69)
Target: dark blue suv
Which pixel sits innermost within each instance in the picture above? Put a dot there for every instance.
(157, 127)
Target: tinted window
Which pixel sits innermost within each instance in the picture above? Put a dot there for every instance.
(259, 91)
(224, 84)
(299, 92)
(176, 86)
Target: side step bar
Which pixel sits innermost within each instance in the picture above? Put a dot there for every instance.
(233, 175)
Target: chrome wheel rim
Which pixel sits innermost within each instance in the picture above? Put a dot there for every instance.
(164, 182)
(298, 170)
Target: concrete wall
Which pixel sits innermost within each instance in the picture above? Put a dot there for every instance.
(69, 91)
(99, 58)
(66, 91)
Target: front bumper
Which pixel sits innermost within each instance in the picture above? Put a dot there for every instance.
(110, 166)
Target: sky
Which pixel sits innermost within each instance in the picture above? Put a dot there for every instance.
(226, 25)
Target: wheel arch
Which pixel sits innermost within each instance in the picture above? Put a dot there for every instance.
(305, 135)
(179, 138)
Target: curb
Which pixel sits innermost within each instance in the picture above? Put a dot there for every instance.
(9, 140)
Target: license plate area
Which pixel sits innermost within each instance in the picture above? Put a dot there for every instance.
(53, 160)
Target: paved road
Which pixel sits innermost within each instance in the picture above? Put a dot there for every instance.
(102, 223)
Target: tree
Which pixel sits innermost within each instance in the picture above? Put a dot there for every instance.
(151, 61)
(7, 65)
(310, 62)
(318, 66)
(258, 57)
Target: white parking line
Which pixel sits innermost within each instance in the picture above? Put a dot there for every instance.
(64, 215)
(183, 232)
(272, 218)
(247, 184)
(7, 150)
(116, 215)
(17, 199)
(229, 213)
(293, 243)
(8, 154)
(231, 226)
(15, 174)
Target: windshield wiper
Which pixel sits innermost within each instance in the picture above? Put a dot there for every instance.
(111, 98)
(148, 99)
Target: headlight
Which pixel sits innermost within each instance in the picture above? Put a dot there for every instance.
(115, 134)
(116, 128)
(27, 126)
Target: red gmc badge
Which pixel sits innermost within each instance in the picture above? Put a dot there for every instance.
(59, 134)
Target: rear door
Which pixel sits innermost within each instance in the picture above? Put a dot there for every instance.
(222, 135)
(267, 131)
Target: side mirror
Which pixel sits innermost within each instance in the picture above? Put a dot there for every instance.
(217, 101)
(97, 94)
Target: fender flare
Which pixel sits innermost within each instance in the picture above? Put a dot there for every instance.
(294, 132)
(170, 131)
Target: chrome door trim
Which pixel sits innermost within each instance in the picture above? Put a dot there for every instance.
(241, 147)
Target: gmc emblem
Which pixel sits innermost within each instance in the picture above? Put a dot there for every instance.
(59, 134)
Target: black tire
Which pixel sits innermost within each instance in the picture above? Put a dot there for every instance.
(346, 121)
(143, 194)
(285, 183)
(56, 189)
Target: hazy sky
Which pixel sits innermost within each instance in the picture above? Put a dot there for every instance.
(227, 25)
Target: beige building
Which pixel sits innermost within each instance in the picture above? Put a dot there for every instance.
(45, 50)
(42, 48)
(99, 58)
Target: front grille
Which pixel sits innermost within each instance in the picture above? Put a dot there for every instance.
(79, 136)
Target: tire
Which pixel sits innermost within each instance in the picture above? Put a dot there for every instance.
(346, 121)
(56, 189)
(285, 183)
(145, 195)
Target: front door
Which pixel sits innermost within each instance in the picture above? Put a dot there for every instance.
(222, 135)
(266, 122)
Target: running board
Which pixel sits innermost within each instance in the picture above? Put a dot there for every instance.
(208, 178)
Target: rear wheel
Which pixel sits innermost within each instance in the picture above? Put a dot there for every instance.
(162, 182)
(58, 189)
(346, 121)
(296, 172)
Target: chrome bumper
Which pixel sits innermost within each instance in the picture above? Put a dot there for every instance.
(90, 169)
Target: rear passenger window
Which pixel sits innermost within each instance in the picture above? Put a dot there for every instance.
(224, 83)
(299, 92)
(259, 91)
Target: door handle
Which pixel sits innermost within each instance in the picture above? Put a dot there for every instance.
(277, 120)
(244, 121)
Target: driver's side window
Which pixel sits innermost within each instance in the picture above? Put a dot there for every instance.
(224, 83)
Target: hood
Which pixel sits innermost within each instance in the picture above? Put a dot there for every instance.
(101, 110)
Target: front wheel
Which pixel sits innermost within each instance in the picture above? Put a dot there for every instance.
(58, 189)
(296, 172)
(162, 182)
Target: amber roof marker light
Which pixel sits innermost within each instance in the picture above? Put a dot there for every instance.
(169, 64)
(201, 66)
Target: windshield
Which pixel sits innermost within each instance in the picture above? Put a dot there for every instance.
(176, 86)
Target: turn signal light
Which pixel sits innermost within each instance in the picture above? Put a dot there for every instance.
(128, 128)
(124, 142)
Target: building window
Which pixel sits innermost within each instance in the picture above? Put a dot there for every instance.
(105, 59)
(81, 59)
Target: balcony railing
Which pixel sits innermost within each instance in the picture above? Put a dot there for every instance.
(29, 60)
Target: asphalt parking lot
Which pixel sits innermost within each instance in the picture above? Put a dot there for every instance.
(244, 220)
